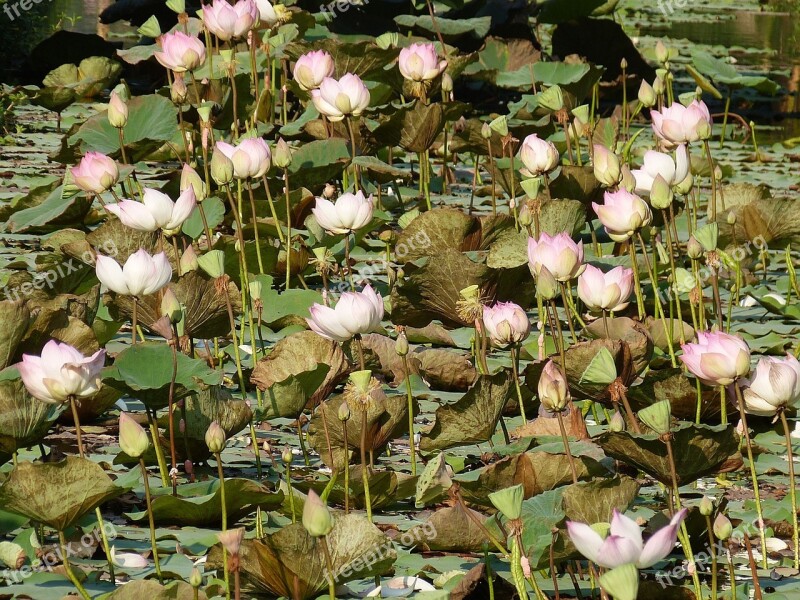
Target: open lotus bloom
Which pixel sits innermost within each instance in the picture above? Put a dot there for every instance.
(311, 68)
(61, 373)
(230, 21)
(156, 211)
(338, 99)
(605, 291)
(623, 544)
(679, 124)
(128, 560)
(539, 156)
(251, 157)
(506, 323)
(355, 313)
(622, 214)
(180, 52)
(350, 213)
(717, 358)
(142, 274)
(775, 386)
(95, 173)
(673, 171)
(419, 62)
(559, 254)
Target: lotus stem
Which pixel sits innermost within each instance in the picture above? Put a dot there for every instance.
(713, 213)
(753, 474)
(329, 568)
(346, 469)
(637, 284)
(668, 232)
(712, 547)
(653, 274)
(489, 535)
(515, 373)
(364, 470)
(151, 519)
(104, 540)
(173, 344)
(792, 488)
(725, 121)
(570, 306)
(224, 506)
(134, 318)
(348, 271)
(553, 571)
(255, 223)
(288, 472)
(73, 403)
(354, 154)
(288, 228)
(494, 183)
(62, 542)
(410, 398)
(302, 441)
(567, 450)
(731, 572)
(753, 568)
(489, 576)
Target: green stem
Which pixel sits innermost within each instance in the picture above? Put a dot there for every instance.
(410, 397)
(62, 542)
(515, 373)
(106, 546)
(151, 519)
(224, 507)
(329, 565)
(713, 550)
(288, 229)
(637, 284)
(255, 224)
(567, 451)
(364, 471)
(792, 487)
(162, 463)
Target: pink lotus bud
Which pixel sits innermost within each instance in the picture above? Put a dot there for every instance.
(559, 254)
(717, 358)
(338, 99)
(606, 166)
(539, 156)
(117, 111)
(355, 313)
(350, 213)
(605, 291)
(215, 438)
(251, 158)
(95, 173)
(776, 385)
(180, 52)
(311, 68)
(419, 62)
(658, 163)
(622, 214)
(506, 323)
(231, 540)
(133, 438)
(553, 391)
(230, 21)
(679, 124)
(61, 373)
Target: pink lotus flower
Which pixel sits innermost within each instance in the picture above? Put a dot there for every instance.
(355, 313)
(622, 214)
(142, 274)
(776, 385)
(539, 156)
(117, 111)
(128, 560)
(96, 173)
(338, 99)
(251, 157)
(552, 388)
(350, 213)
(311, 68)
(228, 21)
(61, 373)
(559, 254)
(606, 166)
(680, 124)
(419, 62)
(156, 211)
(659, 163)
(506, 323)
(605, 291)
(181, 52)
(624, 545)
(717, 358)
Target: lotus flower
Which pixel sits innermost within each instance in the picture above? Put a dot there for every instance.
(350, 213)
(117, 111)
(250, 157)
(506, 323)
(96, 173)
(605, 291)
(717, 358)
(156, 211)
(267, 15)
(623, 545)
(338, 99)
(142, 274)
(622, 214)
(679, 124)
(559, 254)
(355, 313)
(419, 62)
(539, 156)
(311, 68)
(658, 163)
(775, 386)
(181, 52)
(228, 21)
(128, 560)
(61, 373)
(553, 390)
(606, 166)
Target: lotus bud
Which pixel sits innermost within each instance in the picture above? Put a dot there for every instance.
(213, 263)
(647, 95)
(694, 249)
(256, 289)
(553, 391)
(447, 83)
(525, 217)
(731, 218)
(658, 86)
(133, 438)
(486, 131)
(286, 455)
(401, 346)
(196, 578)
(706, 506)
(190, 178)
(282, 154)
(509, 501)
(546, 285)
(723, 528)
(657, 416)
(627, 180)
(662, 52)
(617, 422)
(231, 540)
(215, 438)
(317, 517)
(117, 111)
(606, 166)
(267, 448)
(344, 412)
(685, 186)
(660, 193)
(171, 307)
(189, 260)
(221, 168)
(622, 583)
